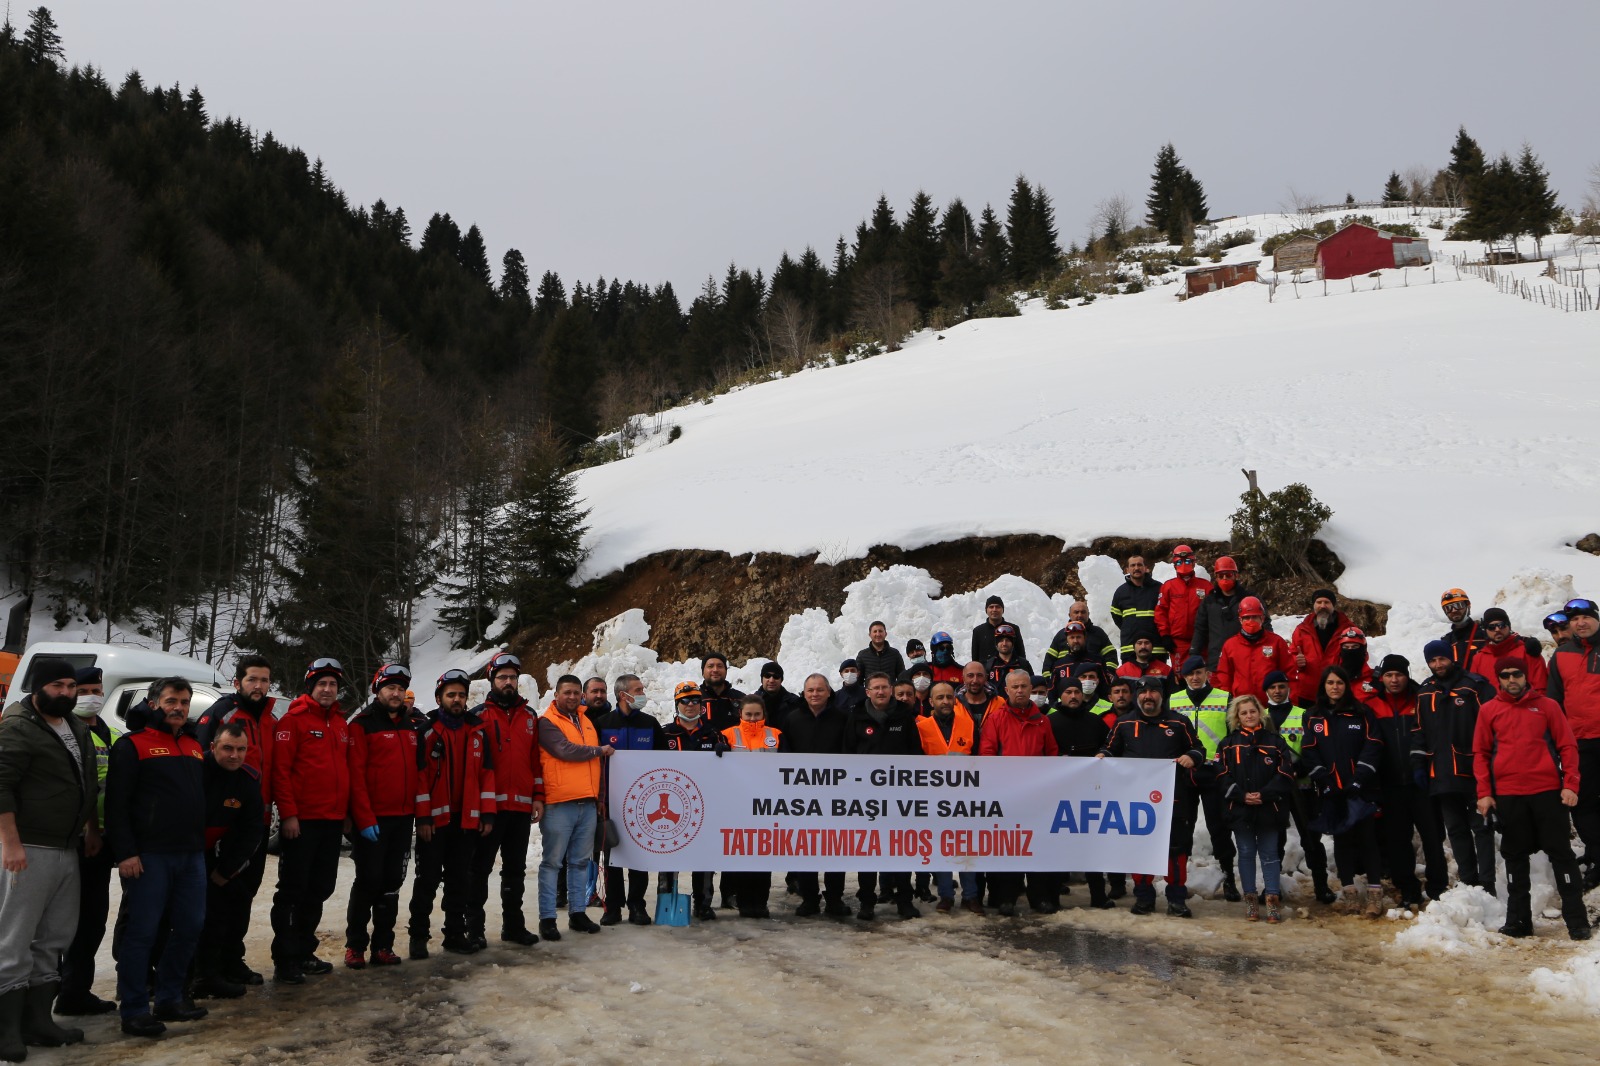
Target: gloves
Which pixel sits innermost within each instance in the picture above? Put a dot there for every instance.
(1419, 777)
(720, 751)
(370, 834)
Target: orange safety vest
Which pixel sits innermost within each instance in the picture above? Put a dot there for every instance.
(960, 742)
(769, 741)
(565, 781)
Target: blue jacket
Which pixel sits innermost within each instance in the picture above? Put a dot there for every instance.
(638, 731)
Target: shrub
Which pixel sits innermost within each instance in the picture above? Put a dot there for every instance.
(674, 433)
(1000, 305)
(1274, 530)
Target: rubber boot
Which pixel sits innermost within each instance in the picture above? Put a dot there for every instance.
(12, 1049)
(39, 1029)
(1569, 886)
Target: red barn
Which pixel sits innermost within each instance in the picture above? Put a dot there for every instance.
(1361, 249)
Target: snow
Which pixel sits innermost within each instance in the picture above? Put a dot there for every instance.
(1133, 416)
(1464, 918)
(1575, 985)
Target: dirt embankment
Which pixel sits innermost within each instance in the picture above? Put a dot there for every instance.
(699, 600)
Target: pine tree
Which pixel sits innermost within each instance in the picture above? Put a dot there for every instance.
(1394, 190)
(477, 564)
(473, 256)
(877, 237)
(514, 278)
(571, 353)
(1160, 204)
(1047, 246)
(1466, 165)
(1191, 209)
(41, 42)
(1495, 210)
(993, 251)
(541, 534)
(1538, 210)
(919, 253)
(961, 275)
(442, 237)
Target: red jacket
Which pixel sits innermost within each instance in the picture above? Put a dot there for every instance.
(1538, 673)
(310, 763)
(513, 734)
(1006, 732)
(1575, 684)
(1243, 664)
(1176, 610)
(1155, 668)
(1305, 641)
(457, 774)
(384, 778)
(1524, 746)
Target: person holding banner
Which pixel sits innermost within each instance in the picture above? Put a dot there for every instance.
(690, 731)
(628, 728)
(957, 732)
(1158, 733)
(883, 726)
(1082, 733)
(750, 889)
(817, 728)
(1018, 729)
(1206, 709)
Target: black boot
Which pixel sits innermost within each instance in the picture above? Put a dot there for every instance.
(1319, 885)
(1569, 886)
(12, 1049)
(548, 930)
(1230, 888)
(1519, 907)
(39, 1029)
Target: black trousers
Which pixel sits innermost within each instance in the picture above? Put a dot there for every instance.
(1303, 807)
(1539, 823)
(832, 885)
(308, 870)
(1586, 815)
(380, 874)
(895, 886)
(1189, 803)
(750, 890)
(1408, 813)
(509, 841)
(1009, 887)
(637, 882)
(446, 859)
(1356, 851)
(1471, 839)
(227, 922)
(94, 909)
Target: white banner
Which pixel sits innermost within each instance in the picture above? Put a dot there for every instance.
(754, 811)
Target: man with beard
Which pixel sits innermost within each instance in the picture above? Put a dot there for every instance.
(1465, 637)
(975, 694)
(1441, 747)
(1408, 810)
(1503, 641)
(721, 698)
(1575, 684)
(1315, 643)
(511, 729)
(1144, 662)
(94, 900)
(1095, 638)
(1082, 733)
(691, 731)
(1133, 609)
(778, 701)
(985, 634)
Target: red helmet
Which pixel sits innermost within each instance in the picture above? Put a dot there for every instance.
(1183, 559)
(1252, 616)
(1225, 565)
(1352, 635)
(1252, 606)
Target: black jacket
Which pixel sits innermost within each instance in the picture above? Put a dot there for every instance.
(998, 670)
(897, 734)
(1078, 731)
(779, 704)
(1343, 749)
(234, 817)
(706, 738)
(814, 734)
(1165, 736)
(983, 648)
(1133, 609)
(156, 794)
(1447, 717)
(888, 661)
(1097, 644)
(1256, 761)
(1216, 621)
(721, 711)
(1466, 642)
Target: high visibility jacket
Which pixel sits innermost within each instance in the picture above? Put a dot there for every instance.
(384, 773)
(310, 766)
(1575, 684)
(513, 734)
(1291, 726)
(963, 733)
(766, 740)
(102, 763)
(457, 773)
(566, 781)
(932, 738)
(1209, 717)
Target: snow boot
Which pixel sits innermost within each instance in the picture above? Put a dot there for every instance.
(418, 948)
(1252, 907)
(547, 930)
(836, 907)
(1230, 888)
(1178, 909)
(39, 1029)
(12, 1049)
(1569, 884)
(1319, 884)
(1273, 914)
(1348, 902)
(1142, 906)
(809, 907)
(1374, 907)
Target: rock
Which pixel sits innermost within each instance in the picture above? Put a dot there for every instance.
(1590, 544)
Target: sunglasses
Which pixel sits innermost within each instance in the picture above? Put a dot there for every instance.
(1497, 625)
(1511, 673)
(692, 699)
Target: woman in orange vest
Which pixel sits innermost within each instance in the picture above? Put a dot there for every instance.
(750, 890)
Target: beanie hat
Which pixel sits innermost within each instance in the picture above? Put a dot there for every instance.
(1394, 662)
(914, 645)
(47, 670)
(717, 655)
(1071, 681)
(1275, 677)
(772, 669)
(1327, 594)
(1191, 664)
(920, 669)
(1435, 649)
(1509, 662)
(849, 664)
(994, 601)
(1496, 614)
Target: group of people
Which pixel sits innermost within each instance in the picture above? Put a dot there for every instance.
(1263, 733)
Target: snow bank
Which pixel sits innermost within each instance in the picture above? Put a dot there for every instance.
(1463, 919)
(1576, 984)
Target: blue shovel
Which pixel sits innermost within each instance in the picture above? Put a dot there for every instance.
(672, 906)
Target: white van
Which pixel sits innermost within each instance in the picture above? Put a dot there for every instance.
(127, 671)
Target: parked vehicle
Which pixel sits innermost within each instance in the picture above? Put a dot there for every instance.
(127, 670)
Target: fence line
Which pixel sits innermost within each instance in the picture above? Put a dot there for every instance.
(1569, 293)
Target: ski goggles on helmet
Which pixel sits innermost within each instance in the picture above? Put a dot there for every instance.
(1581, 606)
(320, 667)
(1553, 622)
(453, 677)
(391, 674)
(503, 660)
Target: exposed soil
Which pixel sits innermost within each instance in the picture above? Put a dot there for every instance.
(698, 600)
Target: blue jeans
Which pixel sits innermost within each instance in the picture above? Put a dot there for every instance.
(1255, 842)
(567, 830)
(172, 885)
(944, 883)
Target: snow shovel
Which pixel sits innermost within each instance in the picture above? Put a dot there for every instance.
(672, 906)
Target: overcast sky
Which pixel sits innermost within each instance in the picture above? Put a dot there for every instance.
(660, 141)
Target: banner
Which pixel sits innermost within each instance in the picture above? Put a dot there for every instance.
(756, 811)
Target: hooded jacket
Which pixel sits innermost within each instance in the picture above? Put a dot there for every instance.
(1007, 731)
(1321, 649)
(1524, 746)
(1176, 610)
(1447, 718)
(310, 764)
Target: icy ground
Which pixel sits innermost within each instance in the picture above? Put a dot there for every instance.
(1087, 986)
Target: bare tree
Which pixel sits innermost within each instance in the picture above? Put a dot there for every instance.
(790, 328)
(1301, 208)
(1112, 215)
(878, 305)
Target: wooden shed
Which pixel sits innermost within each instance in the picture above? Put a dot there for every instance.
(1361, 249)
(1297, 254)
(1201, 280)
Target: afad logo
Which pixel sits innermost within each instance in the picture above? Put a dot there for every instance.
(1135, 819)
(663, 811)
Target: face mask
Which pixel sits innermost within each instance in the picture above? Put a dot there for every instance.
(1225, 582)
(1352, 660)
(942, 656)
(1039, 701)
(917, 657)
(689, 717)
(922, 684)
(1250, 626)
(88, 706)
(54, 706)
(849, 677)
(1089, 685)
